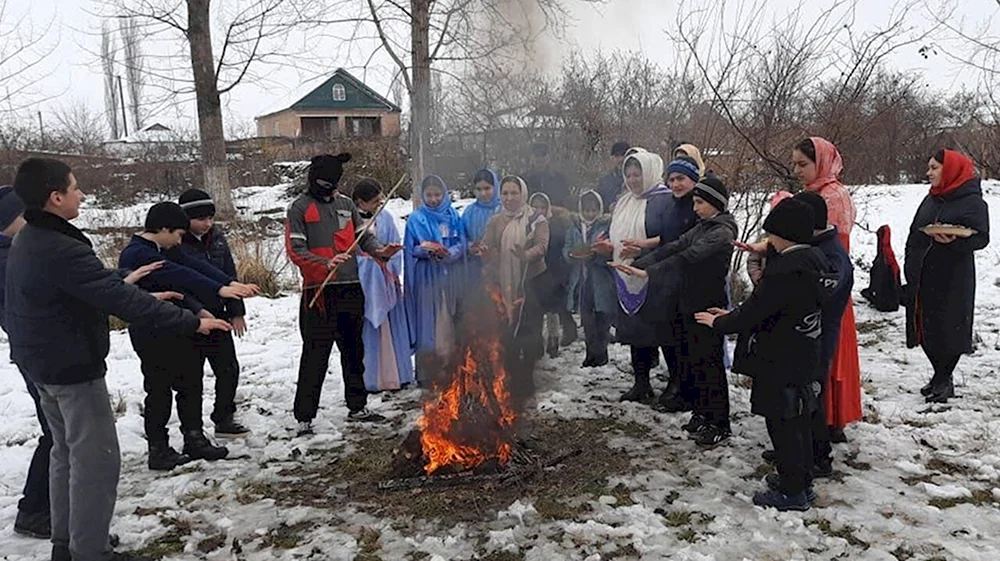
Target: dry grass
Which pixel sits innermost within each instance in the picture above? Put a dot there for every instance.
(257, 260)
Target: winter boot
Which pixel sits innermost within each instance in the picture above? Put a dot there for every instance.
(588, 361)
(927, 389)
(601, 359)
(229, 428)
(33, 524)
(781, 501)
(670, 394)
(641, 391)
(198, 447)
(164, 458)
(837, 435)
(61, 553)
(940, 393)
(675, 404)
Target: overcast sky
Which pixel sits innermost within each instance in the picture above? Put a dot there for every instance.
(75, 76)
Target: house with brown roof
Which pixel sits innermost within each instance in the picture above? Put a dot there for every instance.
(342, 106)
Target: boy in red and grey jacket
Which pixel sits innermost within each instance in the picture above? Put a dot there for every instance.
(321, 227)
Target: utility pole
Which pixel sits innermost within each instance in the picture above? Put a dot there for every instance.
(121, 98)
(41, 129)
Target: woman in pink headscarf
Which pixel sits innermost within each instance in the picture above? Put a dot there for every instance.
(818, 164)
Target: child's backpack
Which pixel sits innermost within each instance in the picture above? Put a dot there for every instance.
(884, 290)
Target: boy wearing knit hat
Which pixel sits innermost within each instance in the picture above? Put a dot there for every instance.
(206, 242)
(172, 363)
(700, 258)
(321, 227)
(784, 320)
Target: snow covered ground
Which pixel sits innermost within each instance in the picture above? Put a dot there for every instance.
(915, 481)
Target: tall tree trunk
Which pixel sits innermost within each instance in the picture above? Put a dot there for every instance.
(420, 96)
(213, 141)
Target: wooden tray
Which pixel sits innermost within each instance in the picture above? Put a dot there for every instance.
(948, 229)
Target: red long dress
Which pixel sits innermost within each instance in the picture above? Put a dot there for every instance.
(843, 389)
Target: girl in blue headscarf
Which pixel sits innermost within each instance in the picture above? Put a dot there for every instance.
(434, 245)
(475, 217)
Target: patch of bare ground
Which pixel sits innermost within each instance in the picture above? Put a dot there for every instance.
(333, 479)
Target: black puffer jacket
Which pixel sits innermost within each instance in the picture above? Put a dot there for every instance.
(783, 319)
(58, 297)
(941, 278)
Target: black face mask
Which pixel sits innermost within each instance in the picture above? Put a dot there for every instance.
(322, 189)
(365, 215)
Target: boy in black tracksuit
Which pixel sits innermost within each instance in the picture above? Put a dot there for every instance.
(701, 257)
(171, 362)
(784, 317)
(205, 241)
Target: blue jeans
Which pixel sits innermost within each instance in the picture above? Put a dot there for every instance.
(36, 488)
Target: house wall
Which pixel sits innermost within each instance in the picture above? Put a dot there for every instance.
(289, 123)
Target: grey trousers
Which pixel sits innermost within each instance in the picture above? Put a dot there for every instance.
(84, 468)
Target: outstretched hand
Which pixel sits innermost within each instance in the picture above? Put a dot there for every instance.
(207, 326)
(756, 247)
(709, 316)
(138, 274)
(388, 251)
(168, 295)
(630, 270)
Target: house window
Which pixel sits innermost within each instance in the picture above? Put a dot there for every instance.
(363, 126)
(277, 128)
(339, 93)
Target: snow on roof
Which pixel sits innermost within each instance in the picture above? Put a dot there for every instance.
(152, 133)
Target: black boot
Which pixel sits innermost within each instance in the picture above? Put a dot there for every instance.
(941, 392)
(927, 389)
(164, 458)
(229, 428)
(198, 447)
(670, 394)
(641, 390)
(33, 524)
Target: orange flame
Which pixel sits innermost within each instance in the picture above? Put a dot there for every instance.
(471, 420)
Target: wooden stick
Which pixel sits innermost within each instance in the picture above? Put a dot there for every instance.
(357, 240)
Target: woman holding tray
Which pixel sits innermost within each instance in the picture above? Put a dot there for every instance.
(951, 223)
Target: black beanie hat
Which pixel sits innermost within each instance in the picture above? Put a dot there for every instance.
(10, 206)
(326, 169)
(166, 215)
(713, 191)
(818, 205)
(792, 220)
(197, 203)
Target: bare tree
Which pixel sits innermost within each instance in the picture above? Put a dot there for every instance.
(133, 60)
(24, 50)
(110, 86)
(79, 128)
(249, 33)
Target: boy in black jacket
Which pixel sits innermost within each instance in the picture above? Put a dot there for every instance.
(205, 241)
(783, 316)
(173, 362)
(701, 259)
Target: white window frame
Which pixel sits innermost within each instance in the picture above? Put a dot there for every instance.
(339, 92)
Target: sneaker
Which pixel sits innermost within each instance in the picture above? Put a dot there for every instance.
(712, 435)
(769, 456)
(365, 416)
(696, 423)
(305, 429)
(199, 447)
(229, 428)
(36, 525)
(773, 481)
(781, 501)
(164, 458)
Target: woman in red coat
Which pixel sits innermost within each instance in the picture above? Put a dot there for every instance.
(818, 164)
